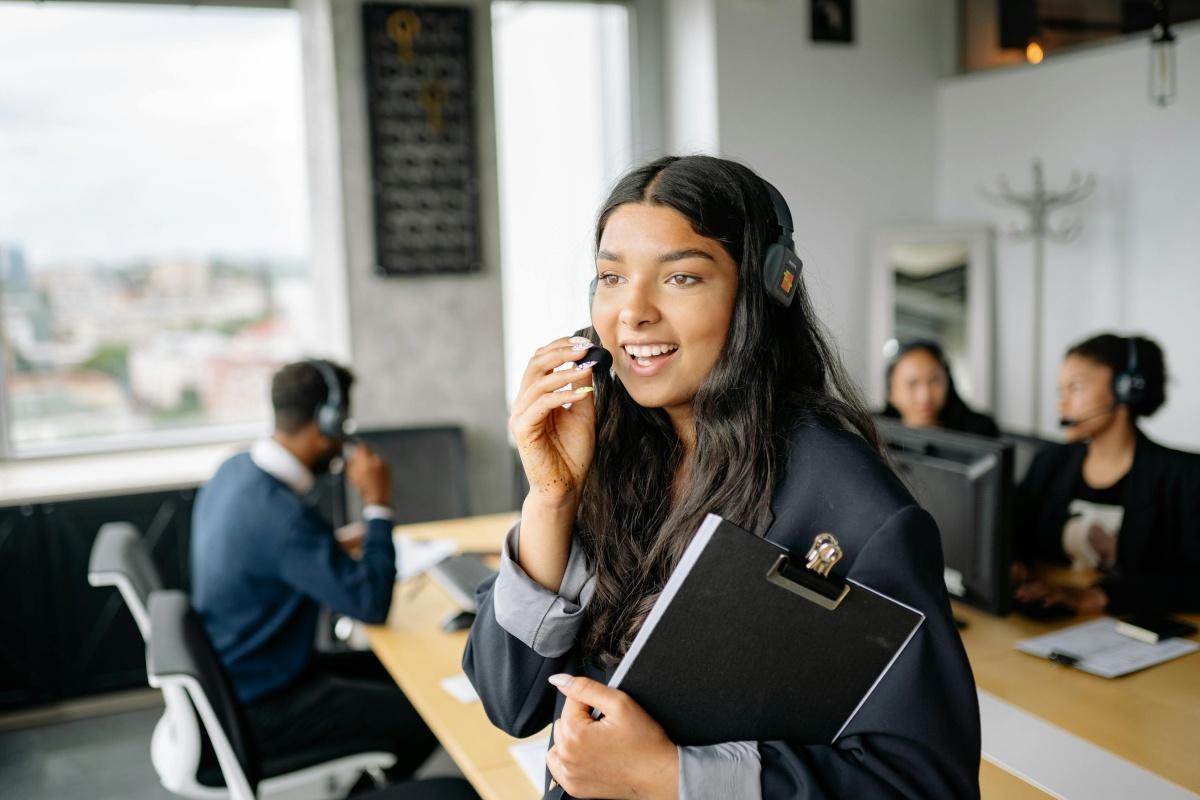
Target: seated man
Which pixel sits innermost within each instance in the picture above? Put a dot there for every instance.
(263, 561)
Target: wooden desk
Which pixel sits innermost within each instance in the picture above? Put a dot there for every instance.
(1151, 718)
(419, 655)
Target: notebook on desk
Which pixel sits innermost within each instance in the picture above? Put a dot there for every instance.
(1099, 648)
(748, 642)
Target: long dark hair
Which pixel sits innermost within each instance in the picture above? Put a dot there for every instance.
(776, 370)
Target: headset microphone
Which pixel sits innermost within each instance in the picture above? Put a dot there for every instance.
(1065, 422)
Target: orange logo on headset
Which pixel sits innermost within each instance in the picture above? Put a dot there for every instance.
(789, 278)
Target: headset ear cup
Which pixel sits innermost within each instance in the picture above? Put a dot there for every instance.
(781, 273)
(1121, 387)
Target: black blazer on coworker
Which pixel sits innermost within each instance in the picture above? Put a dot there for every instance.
(917, 736)
(1158, 546)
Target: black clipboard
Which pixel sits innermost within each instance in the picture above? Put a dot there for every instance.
(747, 642)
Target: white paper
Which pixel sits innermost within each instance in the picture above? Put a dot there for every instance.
(531, 756)
(414, 556)
(1104, 652)
(460, 688)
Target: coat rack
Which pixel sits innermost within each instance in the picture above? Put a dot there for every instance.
(1038, 204)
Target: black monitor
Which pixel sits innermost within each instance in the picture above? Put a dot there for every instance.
(429, 476)
(966, 483)
(1025, 449)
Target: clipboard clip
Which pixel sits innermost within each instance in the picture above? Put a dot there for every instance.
(813, 581)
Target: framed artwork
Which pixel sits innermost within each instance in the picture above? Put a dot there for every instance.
(832, 21)
(424, 173)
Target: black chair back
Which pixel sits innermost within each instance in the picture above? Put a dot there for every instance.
(180, 647)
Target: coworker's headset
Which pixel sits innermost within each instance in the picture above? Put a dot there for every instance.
(1128, 387)
(333, 415)
(781, 264)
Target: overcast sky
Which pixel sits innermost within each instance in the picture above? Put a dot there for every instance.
(150, 130)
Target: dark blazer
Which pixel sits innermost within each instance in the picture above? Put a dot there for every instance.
(917, 736)
(1158, 546)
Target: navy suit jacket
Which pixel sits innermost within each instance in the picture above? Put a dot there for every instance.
(917, 736)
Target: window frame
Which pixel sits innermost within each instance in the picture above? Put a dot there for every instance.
(172, 438)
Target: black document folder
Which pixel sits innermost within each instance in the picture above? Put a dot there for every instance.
(748, 642)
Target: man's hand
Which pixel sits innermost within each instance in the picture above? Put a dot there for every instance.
(370, 475)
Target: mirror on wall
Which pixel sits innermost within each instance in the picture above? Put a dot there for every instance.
(934, 282)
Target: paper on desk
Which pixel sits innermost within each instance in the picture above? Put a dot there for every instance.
(531, 756)
(1104, 652)
(414, 556)
(459, 686)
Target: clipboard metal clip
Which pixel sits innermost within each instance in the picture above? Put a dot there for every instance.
(813, 581)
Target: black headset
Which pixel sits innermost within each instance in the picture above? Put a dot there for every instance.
(1129, 384)
(781, 264)
(331, 415)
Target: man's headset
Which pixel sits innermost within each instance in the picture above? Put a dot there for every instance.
(781, 264)
(333, 415)
(1128, 387)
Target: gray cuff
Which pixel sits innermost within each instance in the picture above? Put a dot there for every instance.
(731, 769)
(544, 620)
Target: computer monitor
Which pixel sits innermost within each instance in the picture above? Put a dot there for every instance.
(966, 483)
(1025, 449)
(429, 472)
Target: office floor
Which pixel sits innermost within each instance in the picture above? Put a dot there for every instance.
(100, 758)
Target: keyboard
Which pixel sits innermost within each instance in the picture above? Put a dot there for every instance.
(459, 575)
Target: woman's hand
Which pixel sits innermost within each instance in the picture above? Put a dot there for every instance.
(623, 755)
(555, 443)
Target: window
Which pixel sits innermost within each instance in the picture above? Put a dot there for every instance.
(563, 114)
(153, 221)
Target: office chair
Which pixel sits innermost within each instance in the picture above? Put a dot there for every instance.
(119, 558)
(181, 656)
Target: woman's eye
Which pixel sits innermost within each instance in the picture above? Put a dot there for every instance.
(682, 280)
(609, 279)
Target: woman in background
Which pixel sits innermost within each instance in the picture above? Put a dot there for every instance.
(1110, 499)
(921, 392)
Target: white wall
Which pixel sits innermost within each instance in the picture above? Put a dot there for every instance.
(847, 133)
(689, 65)
(1136, 266)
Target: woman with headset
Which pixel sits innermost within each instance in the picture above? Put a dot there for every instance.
(724, 397)
(921, 393)
(1110, 499)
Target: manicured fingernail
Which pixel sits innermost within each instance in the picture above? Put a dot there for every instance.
(585, 389)
(579, 347)
(561, 678)
(553, 785)
(584, 365)
(580, 340)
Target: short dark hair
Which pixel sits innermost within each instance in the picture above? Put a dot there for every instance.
(298, 390)
(1112, 351)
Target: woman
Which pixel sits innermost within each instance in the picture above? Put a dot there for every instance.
(921, 392)
(719, 400)
(1110, 499)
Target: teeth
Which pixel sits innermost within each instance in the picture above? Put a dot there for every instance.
(644, 362)
(648, 350)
